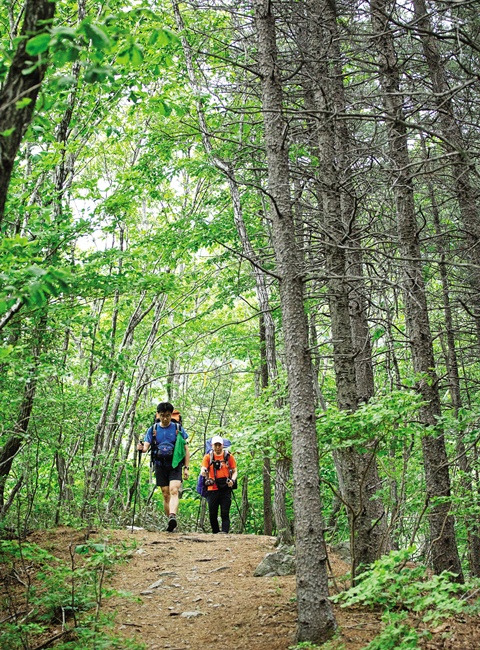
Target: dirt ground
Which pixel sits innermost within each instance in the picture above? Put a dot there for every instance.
(197, 591)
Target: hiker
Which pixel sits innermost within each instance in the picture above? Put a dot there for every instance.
(169, 456)
(220, 472)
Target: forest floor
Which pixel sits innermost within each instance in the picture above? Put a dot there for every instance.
(194, 591)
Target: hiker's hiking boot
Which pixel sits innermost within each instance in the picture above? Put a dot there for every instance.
(172, 523)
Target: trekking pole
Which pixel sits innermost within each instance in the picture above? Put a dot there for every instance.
(239, 513)
(137, 486)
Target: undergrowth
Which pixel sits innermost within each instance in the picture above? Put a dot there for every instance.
(46, 601)
(408, 594)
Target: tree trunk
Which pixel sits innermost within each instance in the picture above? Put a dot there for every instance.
(95, 470)
(14, 443)
(349, 326)
(244, 506)
(282, 523)
(451, 361)
(460, 161)
(444, 552)
(142, 363)
(316, 622)
(266, 468)
(21, 85)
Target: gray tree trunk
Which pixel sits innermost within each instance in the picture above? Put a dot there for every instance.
(282, 523)
(266, 468)
(459, 159)
(451, 361)
(226, 168)
(444, 552)
(349, 326)
(316, 622)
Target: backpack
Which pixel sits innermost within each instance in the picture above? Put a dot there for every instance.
(201, 487)
(208, 445)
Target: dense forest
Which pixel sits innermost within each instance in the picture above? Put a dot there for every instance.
(268, 214)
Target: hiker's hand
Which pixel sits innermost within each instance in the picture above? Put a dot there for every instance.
(185, 472)
(140, 446)
(229, 482)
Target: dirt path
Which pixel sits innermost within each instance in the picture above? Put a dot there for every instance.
(198, 589)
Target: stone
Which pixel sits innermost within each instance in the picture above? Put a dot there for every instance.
(342, 549)
(280, 563)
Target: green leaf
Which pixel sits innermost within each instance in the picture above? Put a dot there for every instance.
(378, 334)
(7, 350)
(98, 73)
(25, 101)
(166, 36)
(7, 133)
(136, 55)
(38, 44)
(98, 37)
(85, 548)
(64, 32)
(163, 108)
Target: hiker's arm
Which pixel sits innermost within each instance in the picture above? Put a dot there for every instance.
(187, 461)
(233, 477)
(143, 446)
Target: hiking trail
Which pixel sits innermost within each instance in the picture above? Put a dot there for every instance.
(195, 591)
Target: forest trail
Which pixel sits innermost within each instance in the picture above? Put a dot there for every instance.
(192, 591)
(198, 589)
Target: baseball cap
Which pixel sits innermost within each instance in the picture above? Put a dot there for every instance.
(216, 439)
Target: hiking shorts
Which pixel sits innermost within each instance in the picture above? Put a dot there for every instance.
(165, 473)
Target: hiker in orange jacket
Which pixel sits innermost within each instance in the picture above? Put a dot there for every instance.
(220, 472)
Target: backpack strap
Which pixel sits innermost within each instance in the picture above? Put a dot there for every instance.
(154, 433)
(226, 456)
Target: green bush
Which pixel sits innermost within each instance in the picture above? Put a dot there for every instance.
(403, 590)
(57, 592)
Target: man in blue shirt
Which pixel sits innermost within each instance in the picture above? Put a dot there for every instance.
(162, 437)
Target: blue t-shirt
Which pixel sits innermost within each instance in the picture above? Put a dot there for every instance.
(167, 434)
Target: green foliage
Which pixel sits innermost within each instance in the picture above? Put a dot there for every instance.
(396, 635)
(404, 590)
(57, 591)
(379, 419)
(334, 644)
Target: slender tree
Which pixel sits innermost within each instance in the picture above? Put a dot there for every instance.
(316, 622)
(444, 550)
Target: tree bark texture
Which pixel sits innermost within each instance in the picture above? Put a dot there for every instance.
(19, 85)
(316, 622)
(462, 166)
(349, 326)
(451, 362)
(266, 469)
(444, 552)
(282, 523)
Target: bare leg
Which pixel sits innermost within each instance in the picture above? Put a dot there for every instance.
(166, 499)
(174, 488)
